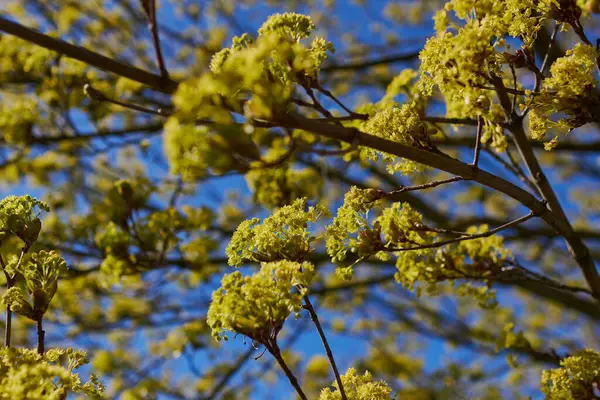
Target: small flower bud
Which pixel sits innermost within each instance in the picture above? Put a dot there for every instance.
(92, 93)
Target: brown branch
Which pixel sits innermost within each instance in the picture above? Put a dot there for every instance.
(89, 57)
(9, 283)
(370, 63)
(437, 161)
(577, 248)
(40, 335)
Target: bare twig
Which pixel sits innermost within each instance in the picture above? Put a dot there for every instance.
(96, 95)
(273, 348)
(150, 9)
(475, 162)
(315, 319)
(393, 195)
(463, 238)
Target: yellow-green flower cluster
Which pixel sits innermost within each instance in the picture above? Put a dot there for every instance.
(257, 306)
(262, 71)
(452, 61)
(275, 187)
(575, 379)
(400, 231)
(402, 125)
(17, 116)
(15, 299)
(25, 374)
(17, 55)
(296, 26)
(159, 229)
(566, 91)
(282, 236)
(358, 387)
(350, 218)
(41, 273)
(19, 216)
(401, 84)
(113, 240)
(572, 75)
(253, 78)
(123, 196)
(195, 151)
(352, 232)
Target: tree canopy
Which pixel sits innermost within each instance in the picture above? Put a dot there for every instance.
(353, 200)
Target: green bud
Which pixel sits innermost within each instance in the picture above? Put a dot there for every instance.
(125, 190)
(32, 231)
(15, 223)
(15, 299)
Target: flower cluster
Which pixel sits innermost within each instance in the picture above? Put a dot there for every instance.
(257, 306)
(19, 216)
(402, 125)
(565, 92)
(41, 272)
(358, 387)
(282, 236)
(350, 218)
(254, 78)
(275, 187)
(577, 377)
(25, 374)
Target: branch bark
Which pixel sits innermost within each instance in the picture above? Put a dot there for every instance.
(165, 85)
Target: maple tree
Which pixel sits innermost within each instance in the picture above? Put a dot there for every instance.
(222, 185)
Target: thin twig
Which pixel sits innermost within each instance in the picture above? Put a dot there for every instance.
(273, 348)
(514, 168)
(547, 56)
(539, 77)
(8, 324)
(477, 152)
(150, 9)
(514, 75)
(95, 94)
(339, 103)
(394, 193)
(315, 319)
(369, 63)
(462, 239)
(454, 121)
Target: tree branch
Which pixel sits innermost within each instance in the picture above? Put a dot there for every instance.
(369, 63)
(578, 249)
(89, 57)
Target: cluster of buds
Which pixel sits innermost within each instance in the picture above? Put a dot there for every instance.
(522, 58)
